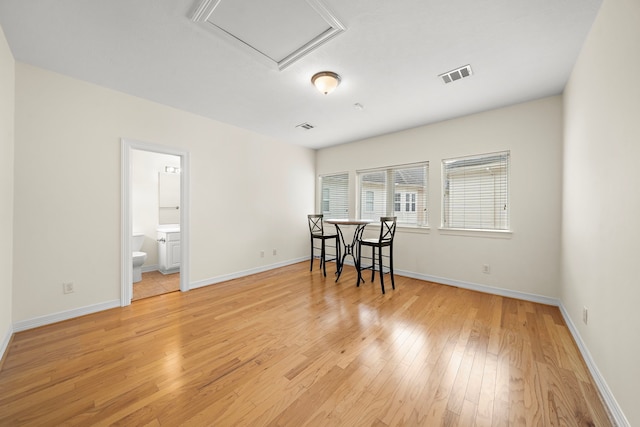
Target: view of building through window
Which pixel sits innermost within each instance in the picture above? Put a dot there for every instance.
(399, 191)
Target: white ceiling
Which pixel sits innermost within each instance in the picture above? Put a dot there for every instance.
(389, 58)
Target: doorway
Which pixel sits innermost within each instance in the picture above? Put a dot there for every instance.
(158, 215)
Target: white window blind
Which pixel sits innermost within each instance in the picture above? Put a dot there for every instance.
(399, 191)
(334, 195)
(476, 192)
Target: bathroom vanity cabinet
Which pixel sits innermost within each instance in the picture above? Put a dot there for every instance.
(168, 251)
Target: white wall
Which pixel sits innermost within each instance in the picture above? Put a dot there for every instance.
(144, 193)
(526, 262)
(248, 192)
(601, 237)
(7, 84)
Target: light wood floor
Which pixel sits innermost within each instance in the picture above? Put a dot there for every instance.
(289, 347)
(154, 283)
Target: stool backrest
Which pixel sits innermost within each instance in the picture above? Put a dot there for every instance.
(387, 228)
(315, 224)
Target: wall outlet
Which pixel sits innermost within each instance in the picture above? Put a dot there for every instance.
(585, 315)
(275, 251)
(261, 254)
(67, 288)
(486, 269)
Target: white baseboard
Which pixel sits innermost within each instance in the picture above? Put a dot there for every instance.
(149, 268)
(482, 288)
(616, 412)
(5, 341)
(237, 275)
(23, 325)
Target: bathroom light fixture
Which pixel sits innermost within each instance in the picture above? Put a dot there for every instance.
(325, 81)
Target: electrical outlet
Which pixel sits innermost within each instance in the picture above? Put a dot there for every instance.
(67, 288)
(585, 315)
(486, 269)
(275, 252)
(261, 254)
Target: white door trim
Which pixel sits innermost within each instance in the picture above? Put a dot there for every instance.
(126, 286)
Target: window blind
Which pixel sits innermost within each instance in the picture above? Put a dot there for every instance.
(399, 191)
(334, 195)
(476, 192)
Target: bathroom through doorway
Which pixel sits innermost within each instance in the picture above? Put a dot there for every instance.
(154, 217)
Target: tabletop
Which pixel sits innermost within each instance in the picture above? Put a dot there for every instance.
(350, 221)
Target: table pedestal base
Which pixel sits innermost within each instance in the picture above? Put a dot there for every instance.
(350, 249)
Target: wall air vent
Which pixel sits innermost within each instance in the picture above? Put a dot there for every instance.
(305, 125)
(457, 74)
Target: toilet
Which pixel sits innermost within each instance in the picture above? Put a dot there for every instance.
(138, 257)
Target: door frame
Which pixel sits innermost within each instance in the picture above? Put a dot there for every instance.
(127, 145)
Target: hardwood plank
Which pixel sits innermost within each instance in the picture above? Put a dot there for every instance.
(467, 414)
(484, 413)
(290, 347)
(438, 409)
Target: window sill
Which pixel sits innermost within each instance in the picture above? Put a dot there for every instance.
(416, 229)
(403, 228)
(493, 234)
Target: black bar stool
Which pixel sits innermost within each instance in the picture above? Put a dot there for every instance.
(385, 240)
(317, 234)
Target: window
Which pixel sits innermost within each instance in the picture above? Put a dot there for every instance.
(410, 202)
(334, 190)
(399, 191)
(476, 192)
(369, 203)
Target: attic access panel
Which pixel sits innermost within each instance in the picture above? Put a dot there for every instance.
(278, 32)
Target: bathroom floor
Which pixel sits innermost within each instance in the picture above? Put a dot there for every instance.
(155, 283)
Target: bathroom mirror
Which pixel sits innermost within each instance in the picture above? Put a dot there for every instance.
(168, 198)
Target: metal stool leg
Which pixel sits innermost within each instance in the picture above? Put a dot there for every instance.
(373, 263)
(323, 261)
(381, 268)
(393, 285)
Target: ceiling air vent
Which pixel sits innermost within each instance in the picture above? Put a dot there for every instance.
(457, 74)
(305, 125)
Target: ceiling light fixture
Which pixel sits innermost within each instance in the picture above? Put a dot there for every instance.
(325, 81)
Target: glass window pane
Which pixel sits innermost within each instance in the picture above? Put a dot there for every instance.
(399, 191)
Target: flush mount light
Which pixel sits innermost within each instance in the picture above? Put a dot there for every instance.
(325, 81)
